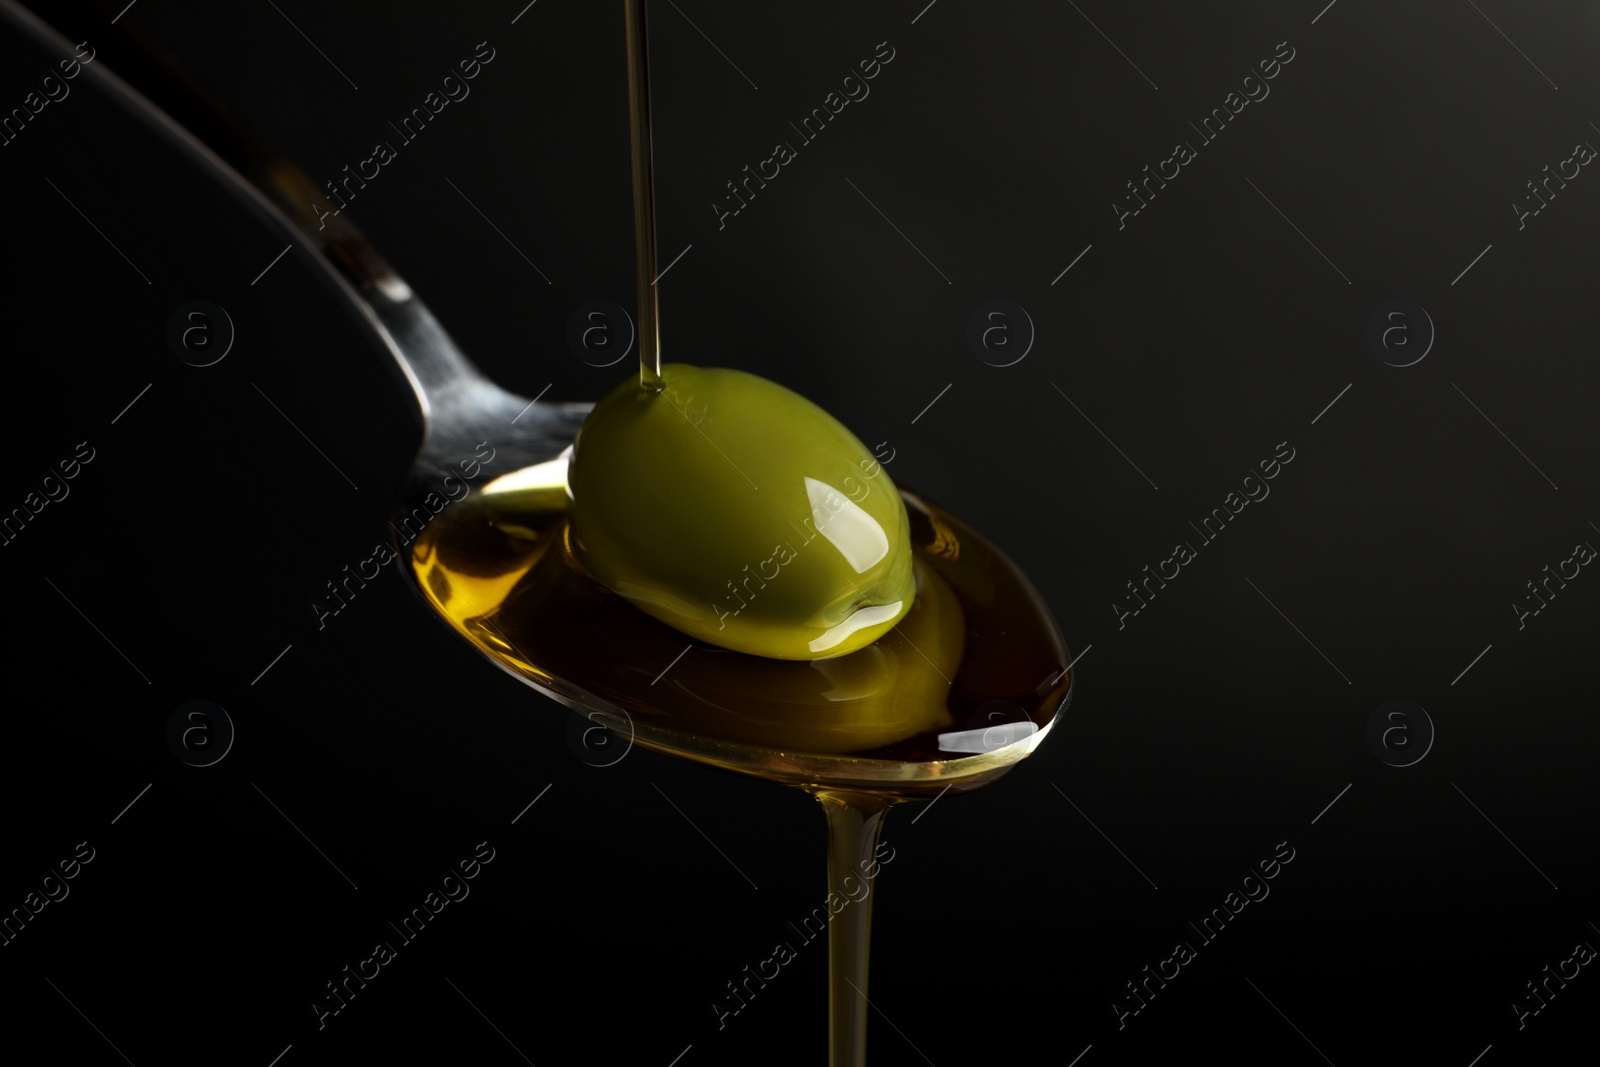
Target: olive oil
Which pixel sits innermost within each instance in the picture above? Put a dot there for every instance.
(964, 686)
(948, 694)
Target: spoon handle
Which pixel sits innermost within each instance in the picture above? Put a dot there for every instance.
(155, 89)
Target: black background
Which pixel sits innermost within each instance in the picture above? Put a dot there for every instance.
(1219, 721)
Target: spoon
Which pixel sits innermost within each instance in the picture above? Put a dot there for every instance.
(461, 409)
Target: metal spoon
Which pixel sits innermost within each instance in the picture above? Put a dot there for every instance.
(461, 409)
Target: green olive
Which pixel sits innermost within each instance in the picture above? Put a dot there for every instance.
(741, 514)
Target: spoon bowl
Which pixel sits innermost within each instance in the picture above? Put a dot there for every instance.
(964, 686)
